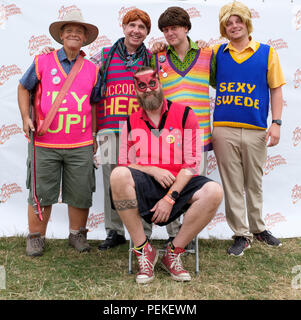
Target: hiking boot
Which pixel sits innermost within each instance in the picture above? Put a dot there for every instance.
(240, 244)
(113, 239)
(266, 237)
(171, 262)
(79, 240)
(147, 260)
(35, 244)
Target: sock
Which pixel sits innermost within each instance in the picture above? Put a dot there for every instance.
(73, 231)
(172, 247)
(139, 248)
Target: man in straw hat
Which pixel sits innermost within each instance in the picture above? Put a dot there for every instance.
(65, 152)
(246, 73)
(118, 63)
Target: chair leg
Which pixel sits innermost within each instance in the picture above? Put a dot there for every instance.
(130, 257)
(196, 255)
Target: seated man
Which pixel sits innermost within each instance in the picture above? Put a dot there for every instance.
(160, 153)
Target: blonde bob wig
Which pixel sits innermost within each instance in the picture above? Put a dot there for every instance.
(235, 8)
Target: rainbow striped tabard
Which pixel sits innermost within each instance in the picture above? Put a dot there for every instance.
(189, 87)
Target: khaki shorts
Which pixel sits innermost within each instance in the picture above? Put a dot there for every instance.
(69, 171)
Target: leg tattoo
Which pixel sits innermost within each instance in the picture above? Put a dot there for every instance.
(126, 204)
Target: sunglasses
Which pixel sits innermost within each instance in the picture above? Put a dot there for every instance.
(145, 81)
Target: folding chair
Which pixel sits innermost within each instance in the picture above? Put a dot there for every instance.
(195, 251)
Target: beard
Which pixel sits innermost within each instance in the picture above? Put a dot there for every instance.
(150, 101)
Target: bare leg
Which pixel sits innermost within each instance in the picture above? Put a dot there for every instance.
(77, 217)
(204, 204)
(124, 197)
(34, 223)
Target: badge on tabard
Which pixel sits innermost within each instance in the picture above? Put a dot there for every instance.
(56, 80)
(162, 58)
(53, 72)
(164, 73)
(170, 139)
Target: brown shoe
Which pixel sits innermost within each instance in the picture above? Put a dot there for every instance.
(79, 240)
(35, 244)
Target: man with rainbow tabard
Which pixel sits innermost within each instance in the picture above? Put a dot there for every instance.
(184, 71)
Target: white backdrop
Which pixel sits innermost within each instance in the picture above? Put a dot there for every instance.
(24, 31)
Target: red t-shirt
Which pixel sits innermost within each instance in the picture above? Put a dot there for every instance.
(175, 144)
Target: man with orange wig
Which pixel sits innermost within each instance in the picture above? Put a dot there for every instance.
(118, 63)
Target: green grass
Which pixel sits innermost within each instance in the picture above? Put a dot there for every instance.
(63, 274)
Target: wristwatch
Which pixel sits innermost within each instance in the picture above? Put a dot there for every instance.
(174, 195)
(277, 121)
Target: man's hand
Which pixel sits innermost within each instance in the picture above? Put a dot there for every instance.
(273, 134)
(95, 145)
(162, 211)
(46, 50)
(202, 44)
(27, 126)
(158, 47)
(163, 176)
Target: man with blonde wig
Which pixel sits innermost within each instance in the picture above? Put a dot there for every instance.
(247, 72)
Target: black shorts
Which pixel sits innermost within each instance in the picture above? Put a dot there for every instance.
(149, 192)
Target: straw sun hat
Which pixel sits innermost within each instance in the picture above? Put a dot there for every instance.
(73, 16)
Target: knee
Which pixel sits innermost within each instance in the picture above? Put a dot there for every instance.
(120, 177)
(214, 193)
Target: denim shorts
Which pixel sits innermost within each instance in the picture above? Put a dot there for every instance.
(66, 171)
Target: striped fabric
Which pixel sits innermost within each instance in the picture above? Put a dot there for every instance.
(120, 96)
(189, 87)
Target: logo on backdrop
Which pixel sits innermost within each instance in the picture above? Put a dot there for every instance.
(7, 72)
(277, 44)
(296, 193)
(297, 78)
(7, 190)
(219, 218)
(95, 46)
(193, 12)
(94, 220)
(284, 103)
(7, 131)
(297, 21)
(63, 10)
(212, 104)
(296, 136)
(273, 162)
(254, 14)
(271, 220)
(155, 39)
(213, 42)
(7, 11)
(211, 164)
(36, 42)
(122, 12)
